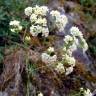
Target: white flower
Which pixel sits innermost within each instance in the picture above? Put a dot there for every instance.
(69, 70)
(15, 26)
(40, 10)
(72, 61)
(84, 44)
(37, 10)
(64, 20)
(64, 49)
(14, 23)
(59, 21)
(40, 94)
(87, 93)
(41, 21)
(69, 52)
(52, 59)
(76, 32)
(55, 13)
(27, 38)
(33, 18)
(45, 31)
(19, 27)
(81, 89)
(46, 58)
(35, 30)
(60, 68)
(13, 30)
(59, 24)
(38, 29)
(28, 11)
(69, 59)
(73, 47)
(44, 10)
(50, 49)
(68, 39)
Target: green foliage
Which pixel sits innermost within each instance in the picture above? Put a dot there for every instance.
(39, 2)
(89, 7)
(14, 7)
(88, 2)
(4, 22)
(31, 68)
(10, 9)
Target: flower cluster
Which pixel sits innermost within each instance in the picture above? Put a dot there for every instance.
(76, 39)
(28, 11)
(40, 94)
(27, 38)
(43, 21)
(68, 61)
(15, 26)
(38, 20)
(49, 56)
(60, 68)
(40, 10)
(58, 21)
(75, 32)
(86, 92)
(71, 43)
(84, 45)
(68, 39)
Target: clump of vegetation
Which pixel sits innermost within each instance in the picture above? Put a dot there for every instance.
(89, 7)
(38, 53)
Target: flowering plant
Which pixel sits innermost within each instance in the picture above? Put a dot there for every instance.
(43, 22)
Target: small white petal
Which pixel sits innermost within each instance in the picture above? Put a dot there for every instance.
(28, 11)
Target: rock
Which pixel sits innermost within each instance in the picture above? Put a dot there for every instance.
(81, 57)
(3, 94)
(69, 6)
